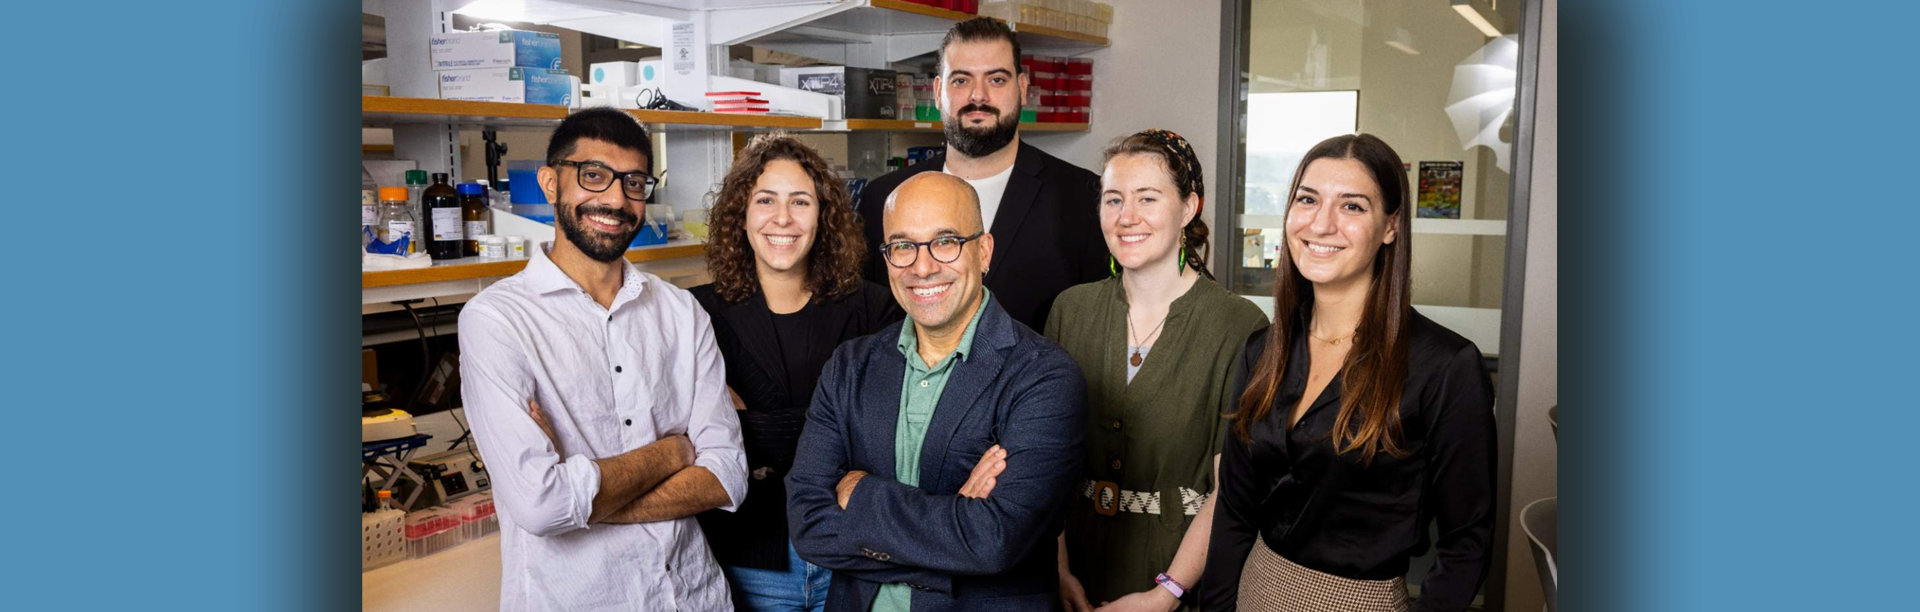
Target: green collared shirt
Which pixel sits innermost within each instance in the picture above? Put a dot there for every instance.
(919, 394)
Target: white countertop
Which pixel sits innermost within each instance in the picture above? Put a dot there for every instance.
(464, 578)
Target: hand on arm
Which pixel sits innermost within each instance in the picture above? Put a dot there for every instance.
(1042, 433)
(986, 473)
(815, 521)
(688, 492)
(1186, 566)
(626, 477)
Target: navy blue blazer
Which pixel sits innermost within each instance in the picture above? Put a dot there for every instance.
(1015, 389)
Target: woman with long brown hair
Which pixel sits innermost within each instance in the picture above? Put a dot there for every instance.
(1157, 343)
(785, 251)
(1360, 422)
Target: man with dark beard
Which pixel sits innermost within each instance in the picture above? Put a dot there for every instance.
(599, 400)
(1042, 212)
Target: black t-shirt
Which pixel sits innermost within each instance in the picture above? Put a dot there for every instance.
(791, 330)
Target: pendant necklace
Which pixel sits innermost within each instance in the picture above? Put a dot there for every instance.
(1135, 359)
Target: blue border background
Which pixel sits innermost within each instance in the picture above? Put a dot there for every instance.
(1738, 273)
(1740, 313)
(180, 314)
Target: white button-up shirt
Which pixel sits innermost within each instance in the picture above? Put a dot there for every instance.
(609, 380)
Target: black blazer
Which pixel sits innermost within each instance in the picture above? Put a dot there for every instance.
(1013, 388)
(755, 535)
(1046, 234)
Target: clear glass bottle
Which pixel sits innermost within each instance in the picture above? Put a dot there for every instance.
(396, 219)
(416, 184)
(443, 230)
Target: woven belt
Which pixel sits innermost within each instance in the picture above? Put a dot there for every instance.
(1108, 498)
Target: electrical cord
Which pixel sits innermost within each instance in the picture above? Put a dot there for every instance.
(426, 359)
(650, 98)
(466, 433)
(426, 356)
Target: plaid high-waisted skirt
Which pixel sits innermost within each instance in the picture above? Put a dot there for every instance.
(1271, 583)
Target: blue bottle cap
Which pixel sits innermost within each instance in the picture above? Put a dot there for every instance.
(472, 189)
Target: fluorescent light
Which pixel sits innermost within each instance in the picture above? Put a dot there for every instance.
(1465, 7)
(528, 11)
(1402, 47)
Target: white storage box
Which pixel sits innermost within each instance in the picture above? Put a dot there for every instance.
(497, 49)
(382, 538)
(523, 85)
(621, 75)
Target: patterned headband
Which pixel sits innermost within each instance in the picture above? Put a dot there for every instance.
(1180, 152)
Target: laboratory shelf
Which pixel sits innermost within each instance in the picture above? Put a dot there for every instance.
(386, 110)
(902, 125)
(474, 267)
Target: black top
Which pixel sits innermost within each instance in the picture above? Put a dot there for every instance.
(792, 330)
(1330, 513)
(1046, 233)
(773, 366)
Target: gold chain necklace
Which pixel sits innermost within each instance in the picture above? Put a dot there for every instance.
(1335, 341)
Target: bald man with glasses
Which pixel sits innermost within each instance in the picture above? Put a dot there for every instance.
(938, 456)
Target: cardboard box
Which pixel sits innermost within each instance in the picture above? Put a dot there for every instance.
(500, 49)
(865, 93)
(524, 85)
(622, 75)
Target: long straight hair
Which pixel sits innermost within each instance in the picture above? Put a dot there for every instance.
(1375, 371)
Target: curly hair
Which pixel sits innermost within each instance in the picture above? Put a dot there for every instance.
(839, 247)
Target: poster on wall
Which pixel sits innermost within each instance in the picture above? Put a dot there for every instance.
(1440, 189)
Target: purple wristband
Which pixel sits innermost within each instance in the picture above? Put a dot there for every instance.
(1171, 585)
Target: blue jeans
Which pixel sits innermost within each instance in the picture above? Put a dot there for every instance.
(801, 588)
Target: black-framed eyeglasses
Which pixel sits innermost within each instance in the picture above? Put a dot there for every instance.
(945, 249)
(597, 177)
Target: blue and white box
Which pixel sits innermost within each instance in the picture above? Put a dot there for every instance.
(496, 49)
(621, 75)
(523, 85)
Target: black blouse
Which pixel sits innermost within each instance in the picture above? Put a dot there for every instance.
(773, 362)
(1330, 513)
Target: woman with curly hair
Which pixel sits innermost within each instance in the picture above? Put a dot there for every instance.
(785, 251)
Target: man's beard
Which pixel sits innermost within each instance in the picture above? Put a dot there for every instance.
(600, 246)
(984, 141)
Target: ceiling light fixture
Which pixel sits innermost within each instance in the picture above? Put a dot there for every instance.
(1465, 8)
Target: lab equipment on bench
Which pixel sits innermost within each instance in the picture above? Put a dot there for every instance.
(432, 530)
(477, 517)
(388, 460)
(448, 476)
(379, 421)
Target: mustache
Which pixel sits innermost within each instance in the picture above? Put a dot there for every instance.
(985, 108)
(624, 215)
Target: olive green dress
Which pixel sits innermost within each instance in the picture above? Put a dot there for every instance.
(1155, 435)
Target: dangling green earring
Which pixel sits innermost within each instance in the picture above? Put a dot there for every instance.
(1182, 266)
(1113, 266)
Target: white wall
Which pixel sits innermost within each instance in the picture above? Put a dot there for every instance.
(1535, 460)
(1161, 71)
